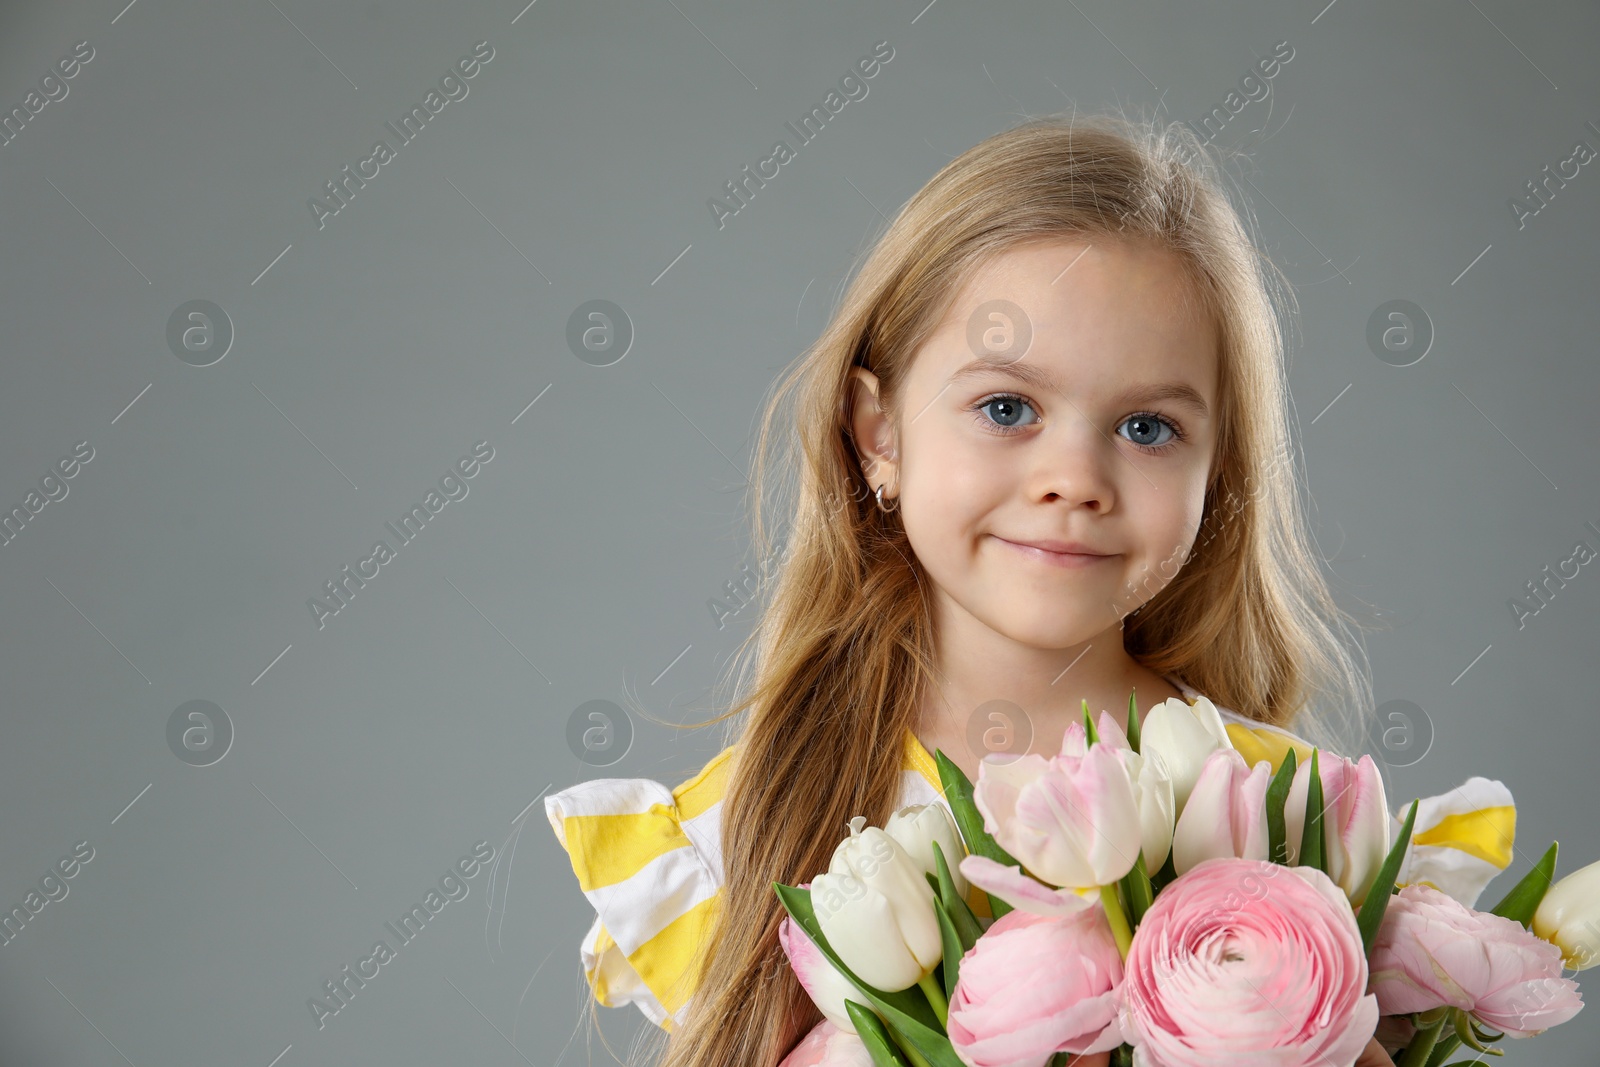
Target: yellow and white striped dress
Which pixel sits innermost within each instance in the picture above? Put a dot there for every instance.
(649, 859)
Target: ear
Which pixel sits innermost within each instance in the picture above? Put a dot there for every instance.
(876, 439)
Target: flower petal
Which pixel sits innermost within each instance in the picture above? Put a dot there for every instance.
(1020, 891)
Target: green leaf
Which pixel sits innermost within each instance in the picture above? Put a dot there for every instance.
(873, 1034)
(1277, 797)
(1088, 724)
(1133, 722)
(968, 929)
(1311, 838)
(1524, 898)
(950, 943)
(969, 820)
(1372, 909)
(906, 1012)
(1138, 891)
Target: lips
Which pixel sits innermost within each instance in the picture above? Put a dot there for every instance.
(1074, 548)
(1068, 555)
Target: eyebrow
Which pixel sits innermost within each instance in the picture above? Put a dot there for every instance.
(1039, 378)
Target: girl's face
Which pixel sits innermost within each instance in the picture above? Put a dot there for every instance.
(1092, 443)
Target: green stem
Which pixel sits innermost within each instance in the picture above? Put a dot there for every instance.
(941, 1007)
(1421, 1046)
(1441, 1052)
(1118, 920)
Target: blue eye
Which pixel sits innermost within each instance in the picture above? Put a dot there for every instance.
(1007, 415)
(1151, 431)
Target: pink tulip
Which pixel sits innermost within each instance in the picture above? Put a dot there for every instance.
(1226, 814)
(1075, 741)
(828, 1046)
(1032, 986)
(1432, 950)
(1355, 820)
(1070, 820)
(1152, 785)
(1023, 892)
(1245, 961)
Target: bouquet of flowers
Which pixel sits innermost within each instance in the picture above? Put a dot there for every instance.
(1156, 899)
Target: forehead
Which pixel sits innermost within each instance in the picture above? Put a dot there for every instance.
(1085, 307)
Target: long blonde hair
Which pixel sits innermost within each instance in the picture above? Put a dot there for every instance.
(844, 646)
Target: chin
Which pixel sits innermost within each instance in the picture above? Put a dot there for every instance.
(1050, 634)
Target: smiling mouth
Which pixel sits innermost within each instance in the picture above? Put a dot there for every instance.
(1057, 559)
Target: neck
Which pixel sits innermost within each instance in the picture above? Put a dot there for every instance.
(991, 682)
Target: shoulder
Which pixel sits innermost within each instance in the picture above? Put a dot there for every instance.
(706, 788)
(613, 828)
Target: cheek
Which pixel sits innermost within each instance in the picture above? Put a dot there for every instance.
(1169, 512)
(946, 486)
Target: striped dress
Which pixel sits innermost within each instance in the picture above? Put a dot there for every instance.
(649, 858)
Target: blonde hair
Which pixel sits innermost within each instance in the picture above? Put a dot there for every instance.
(844, 646)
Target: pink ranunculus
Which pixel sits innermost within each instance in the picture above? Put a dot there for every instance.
(828, 1046)
(1032, 986)
(1432, 950)
(1220, 973)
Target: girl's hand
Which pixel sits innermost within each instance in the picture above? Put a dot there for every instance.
(1373, 1056)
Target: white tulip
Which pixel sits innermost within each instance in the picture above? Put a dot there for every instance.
(1181, 736)
(1152, 788)
(1569, 917)
(916, 827)
(876, 910)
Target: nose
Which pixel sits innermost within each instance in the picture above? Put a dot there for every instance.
(1075, 464)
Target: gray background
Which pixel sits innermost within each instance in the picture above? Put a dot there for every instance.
(433, 309)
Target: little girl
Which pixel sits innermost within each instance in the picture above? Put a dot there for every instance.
(1041, 459)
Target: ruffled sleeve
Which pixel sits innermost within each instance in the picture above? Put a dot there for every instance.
(1460, 840)
(648, 859)
(1257, 741)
